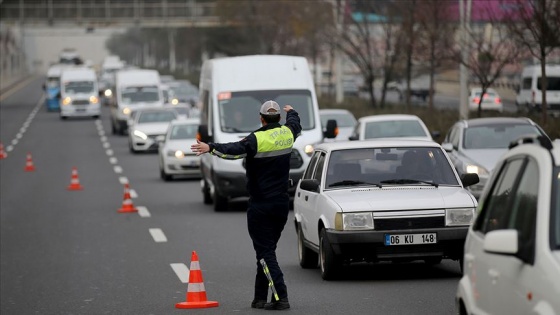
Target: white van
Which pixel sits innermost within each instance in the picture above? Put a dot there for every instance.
(109, 68)
(134, 89)
(231, 92)
(79, 93)
(529, 95)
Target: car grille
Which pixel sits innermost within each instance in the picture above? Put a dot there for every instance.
(409, 223)
(153, 137)
(80, 102)
(296, 161)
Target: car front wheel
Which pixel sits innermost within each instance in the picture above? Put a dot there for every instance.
(307, 257)
(220, 202)
(329, 262)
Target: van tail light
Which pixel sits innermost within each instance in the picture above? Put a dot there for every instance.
(497, 100)
(476, 100)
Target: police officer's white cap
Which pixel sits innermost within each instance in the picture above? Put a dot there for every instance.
(270, 108)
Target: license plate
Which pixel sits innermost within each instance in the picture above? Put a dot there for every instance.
(410, 239)
(80, 109)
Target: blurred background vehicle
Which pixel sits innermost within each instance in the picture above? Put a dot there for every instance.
(182, 92)
(392, 126)
(345, 122)
(419, 87)
(175, 156)
(148, 128)
(475, 145)
(514, 242)
(529, 94)
(79, 94)
(111, 64)
(490, 101)
(52, 87)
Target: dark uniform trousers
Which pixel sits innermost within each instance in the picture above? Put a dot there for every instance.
(266, 220)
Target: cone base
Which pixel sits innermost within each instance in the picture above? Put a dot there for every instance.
(123, 210)
(29, 169)
(203, 304)
(78, 187)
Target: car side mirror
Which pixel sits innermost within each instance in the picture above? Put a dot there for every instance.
(202, 134)
(332, 129)
(503, 242)
(353, 138)
(448, 147)
(310, 185)
(469, 179)
(435, 134)
(160, 139)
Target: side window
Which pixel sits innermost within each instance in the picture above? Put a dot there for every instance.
(320, 167)
(455, 137)
(524, 205)
(496, 210)
(309, 171)
(526, 84)
(356, 132)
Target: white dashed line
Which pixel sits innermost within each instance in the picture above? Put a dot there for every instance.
(117, 169)
(14, 142)
(9, 148)
(123, 180)
(109, 152)
(103, 139)
(113, 160)
(19, 135)
(182, 271)
(143, 212)
(158, 235)
(106, 145)
(133, 193)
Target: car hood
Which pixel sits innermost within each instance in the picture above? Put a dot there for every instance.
(401, 198)
(152, 128)
(183, 144)
(485, 157)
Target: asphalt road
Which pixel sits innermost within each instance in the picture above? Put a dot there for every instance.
(71, 252)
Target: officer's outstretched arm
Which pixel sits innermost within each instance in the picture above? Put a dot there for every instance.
(235, 150)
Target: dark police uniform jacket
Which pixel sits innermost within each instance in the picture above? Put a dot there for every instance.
(268, 152)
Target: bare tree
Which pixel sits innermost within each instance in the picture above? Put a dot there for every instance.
(490, 50)
(536, 26)
(435, 37)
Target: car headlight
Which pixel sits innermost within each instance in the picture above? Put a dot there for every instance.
(140, 134)
(462, 216)
(66, 101)
(174, 101)
(108, 93)
(126, 111)
(93, 99)
(176, 153)
(309, 149)
(353, 221)
(472, 168)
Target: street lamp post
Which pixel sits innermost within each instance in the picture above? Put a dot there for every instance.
(465, 17)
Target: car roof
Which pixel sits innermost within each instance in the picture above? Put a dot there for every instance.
(334, 111)
(497, 121)
(388, 117)
(479, 89)
(185, 121)
(377, 143)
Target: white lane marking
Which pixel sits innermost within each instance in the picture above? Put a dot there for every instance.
(113, 160)
(101, 132)
(14, 142)
(143, 212)
(26, 124)
(117, 169)
(19, 135)
(109, 152)
(123, 180)
(158, 235)
(103, 139)
(133, 193)
(106, 145)
(9, 148)
(182, 271)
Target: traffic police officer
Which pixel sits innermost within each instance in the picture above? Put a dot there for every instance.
(267, 152)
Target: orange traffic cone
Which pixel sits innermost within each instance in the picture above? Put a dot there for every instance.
(29, 167)
(196, 294)
(74, 181)
(127, 205)
(3, 153)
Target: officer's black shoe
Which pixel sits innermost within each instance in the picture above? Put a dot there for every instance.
(281, 304)
(258, 303)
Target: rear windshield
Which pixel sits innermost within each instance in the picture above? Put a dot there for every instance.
(179, 132)
(342, 119)
(497, 136)
(156, 117)
(145, 94)
(394, 129)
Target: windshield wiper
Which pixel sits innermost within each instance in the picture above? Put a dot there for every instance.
(409, 181)
(353, 183)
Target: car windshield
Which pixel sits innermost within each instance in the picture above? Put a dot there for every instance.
(239, 111)
(389, 166)
(145, 94)
(555, 215)
(179, 132)
(53, 82)
(496, 136)
(394, 129)
(77, 87)
(342, 120)
(156, 116)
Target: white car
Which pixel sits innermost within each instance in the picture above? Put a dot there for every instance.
(147, 127)
(345, 122)
(512, 251)
(175, 156)
(490, 101)
(391, 126)
(381, 200)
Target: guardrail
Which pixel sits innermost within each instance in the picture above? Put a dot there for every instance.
(146, 13)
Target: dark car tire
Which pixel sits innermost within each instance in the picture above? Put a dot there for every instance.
(220, 202)
(166, 177)
(308, 259)
(330, 264)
